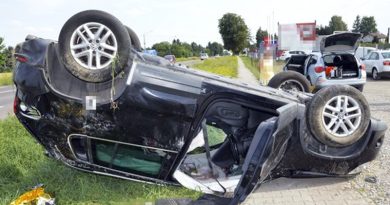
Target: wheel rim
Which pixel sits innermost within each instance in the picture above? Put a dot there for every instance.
(291, 85)
(374, 74)
(93, 45)
(341, 116)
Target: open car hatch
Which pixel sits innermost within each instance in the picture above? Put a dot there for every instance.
(340, 42)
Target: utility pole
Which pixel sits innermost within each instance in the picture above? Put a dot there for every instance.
(144, 35)
(144, 43)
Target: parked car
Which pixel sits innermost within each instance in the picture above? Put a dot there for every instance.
(100, 106)
(170, 58)
(378, 64)
(204, 56)
(335, 64)
(286, 55)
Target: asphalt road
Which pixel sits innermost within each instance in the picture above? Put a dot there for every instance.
(7, 94)
(190, 63)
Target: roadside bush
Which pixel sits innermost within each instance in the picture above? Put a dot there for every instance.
(5, 79)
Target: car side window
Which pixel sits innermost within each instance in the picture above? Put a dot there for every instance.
(313, 60)
(373, 56)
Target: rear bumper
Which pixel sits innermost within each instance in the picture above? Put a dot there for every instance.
(385, 73)
(322, 82)
(385, 69)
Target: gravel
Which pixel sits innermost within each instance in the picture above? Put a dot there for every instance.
(374, 180)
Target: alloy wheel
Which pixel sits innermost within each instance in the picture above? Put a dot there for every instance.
(375, 74)
(341, 116)
(93, 45)
(293, 85)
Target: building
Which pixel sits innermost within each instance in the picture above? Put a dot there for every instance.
(298, 36)
(374, 38)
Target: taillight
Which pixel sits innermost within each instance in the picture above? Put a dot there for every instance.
(319, 69)
(16, 104)
(386, 62)
(21, 58)
(363, 67)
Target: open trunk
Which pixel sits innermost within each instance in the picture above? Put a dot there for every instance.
(341, 66)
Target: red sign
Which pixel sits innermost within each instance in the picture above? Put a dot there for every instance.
(307, 31)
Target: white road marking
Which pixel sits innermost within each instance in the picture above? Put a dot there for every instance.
(7, 91)
(1, 106)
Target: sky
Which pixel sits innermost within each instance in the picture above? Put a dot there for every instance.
(188, 20)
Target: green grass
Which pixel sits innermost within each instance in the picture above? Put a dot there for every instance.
(5, 79)
(215, 135)
(226, 66)
(187, 59)
(253, 66)
(23, 165)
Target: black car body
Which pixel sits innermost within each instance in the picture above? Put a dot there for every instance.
(145, 123)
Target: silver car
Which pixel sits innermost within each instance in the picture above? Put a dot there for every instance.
(378, 64)
(335, 64)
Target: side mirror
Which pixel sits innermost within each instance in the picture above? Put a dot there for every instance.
(362, 58)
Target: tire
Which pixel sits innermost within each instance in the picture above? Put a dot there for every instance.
(318, 117)
(96, 58)
(375, 74)
(134, 39)
(290, 80)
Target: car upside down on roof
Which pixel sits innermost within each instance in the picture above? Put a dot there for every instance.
(98, 104)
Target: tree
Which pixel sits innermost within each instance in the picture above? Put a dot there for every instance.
(3, 57)
(162, 48)
(260, 34)
(356, 24)
(9, 59)
(235, 33)
(323, 30)
(368, 25)
(214, 48)
(196, 49)
(336, 23)
(181, 50)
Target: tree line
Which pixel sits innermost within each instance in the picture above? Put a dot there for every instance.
(364, 25)
(7, 62)
(184, 50)
(236, 35)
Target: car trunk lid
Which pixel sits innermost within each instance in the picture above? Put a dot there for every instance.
(340, 42)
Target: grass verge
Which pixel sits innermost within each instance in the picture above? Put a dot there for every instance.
(23, 165)
(226, 66)
(5, 79)
(253, 66)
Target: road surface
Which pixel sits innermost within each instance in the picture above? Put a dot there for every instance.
(189, 63)
(7, 94)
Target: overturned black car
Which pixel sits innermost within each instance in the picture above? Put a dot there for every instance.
(96, 103)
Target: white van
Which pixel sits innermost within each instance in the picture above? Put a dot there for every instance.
(362, 52)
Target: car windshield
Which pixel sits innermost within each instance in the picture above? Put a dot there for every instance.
(386, 55)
